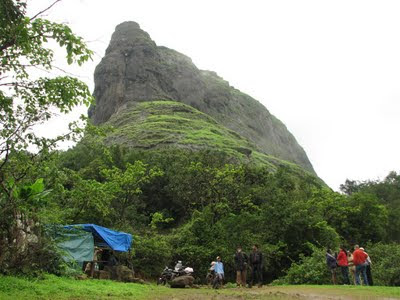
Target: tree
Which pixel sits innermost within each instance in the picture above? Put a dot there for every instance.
(126, 187)
(26, 101)
(385, 192)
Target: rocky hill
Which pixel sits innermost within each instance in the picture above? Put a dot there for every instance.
(134, 70)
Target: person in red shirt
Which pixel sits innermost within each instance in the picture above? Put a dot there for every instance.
(360, 261)
(343, 264)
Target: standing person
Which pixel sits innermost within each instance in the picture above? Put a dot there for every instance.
(211, 273)
(360, 261)
(112, 259)
(352, 267)
(331, 262)
(343, 263)
(256, 261)
(241, 267)
(368, 268)
(219, 273)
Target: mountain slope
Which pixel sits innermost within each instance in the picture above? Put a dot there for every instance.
(161, 124)
(135, 70)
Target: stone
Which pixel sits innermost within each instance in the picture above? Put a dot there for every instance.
(182, 281)
(124, 274)
(134, 69)
(104, 274)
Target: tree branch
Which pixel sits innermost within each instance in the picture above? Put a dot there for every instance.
(39, 13)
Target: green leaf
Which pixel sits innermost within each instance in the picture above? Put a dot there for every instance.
(37, 187)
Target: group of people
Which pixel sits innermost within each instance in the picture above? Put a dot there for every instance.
(358, 262)
(254, 262)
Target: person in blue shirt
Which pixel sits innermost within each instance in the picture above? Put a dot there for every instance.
(219, 273)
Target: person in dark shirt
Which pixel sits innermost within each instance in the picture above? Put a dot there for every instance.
(241, 267)
(331, 262)
(256, 264)
(112, 260)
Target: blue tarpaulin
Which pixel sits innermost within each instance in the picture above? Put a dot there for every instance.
(104, 237)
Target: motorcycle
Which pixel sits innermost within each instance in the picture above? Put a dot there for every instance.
(169, 274)
(166, 275)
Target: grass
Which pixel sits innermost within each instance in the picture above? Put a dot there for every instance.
(150, 124)
(164, 124)
(52, 287)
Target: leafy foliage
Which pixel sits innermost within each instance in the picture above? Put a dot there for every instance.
(216, 205)
(151, 254)
(387, 193)
(309, 270)
(385, 263)
(26, 101)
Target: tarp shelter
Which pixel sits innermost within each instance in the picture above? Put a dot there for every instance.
(78, 241)
(76, 245)
(104, 237)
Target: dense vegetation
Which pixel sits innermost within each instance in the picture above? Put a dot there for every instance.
(27, 100)
(195, 205)
(182, 203)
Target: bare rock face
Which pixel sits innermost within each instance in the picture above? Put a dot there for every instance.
(134, 69)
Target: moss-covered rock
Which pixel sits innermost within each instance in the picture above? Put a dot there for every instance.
(136, 70)
(156, 125)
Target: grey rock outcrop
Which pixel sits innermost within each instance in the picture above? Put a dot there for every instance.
(134, 69)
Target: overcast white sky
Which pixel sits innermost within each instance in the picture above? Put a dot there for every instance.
(330, 70)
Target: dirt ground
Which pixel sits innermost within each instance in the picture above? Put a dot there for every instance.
(276, 292)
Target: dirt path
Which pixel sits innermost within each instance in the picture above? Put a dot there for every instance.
(279, 293)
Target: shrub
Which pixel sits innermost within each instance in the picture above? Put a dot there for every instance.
(309, 270)
(151, 255)
(385, 266)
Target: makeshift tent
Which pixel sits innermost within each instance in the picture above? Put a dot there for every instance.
(76, 245)
(77, 242)
(104, 237)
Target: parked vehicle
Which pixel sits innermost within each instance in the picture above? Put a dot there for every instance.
(166, 275)
(169, 274)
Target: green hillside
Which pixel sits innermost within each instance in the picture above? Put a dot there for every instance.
(171, 124)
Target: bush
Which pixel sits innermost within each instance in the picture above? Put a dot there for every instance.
(33, 259)
(309, 270)
(385, 266)
(151, 255)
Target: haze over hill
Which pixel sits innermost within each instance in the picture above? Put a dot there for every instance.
(135, 70)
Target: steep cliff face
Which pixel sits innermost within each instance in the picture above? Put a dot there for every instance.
(135, 70)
